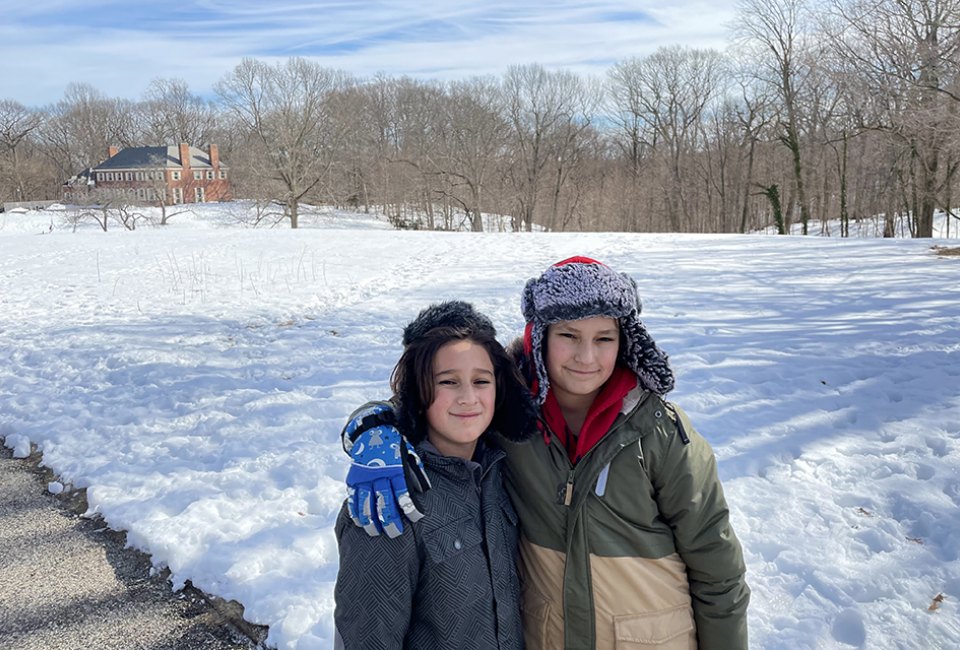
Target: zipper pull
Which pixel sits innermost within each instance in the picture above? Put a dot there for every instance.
(568, 493)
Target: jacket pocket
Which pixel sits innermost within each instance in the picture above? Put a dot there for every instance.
(542, 625)
(665, 629)
(451, 541)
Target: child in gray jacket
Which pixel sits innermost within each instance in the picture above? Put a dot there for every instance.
(450, 579)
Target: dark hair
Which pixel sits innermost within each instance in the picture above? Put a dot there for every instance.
(413, 386)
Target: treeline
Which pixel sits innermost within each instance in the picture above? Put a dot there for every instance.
(834, 109)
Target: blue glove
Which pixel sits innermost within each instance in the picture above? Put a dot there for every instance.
(379, 454)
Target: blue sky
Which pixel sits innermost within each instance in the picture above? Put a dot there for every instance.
(119, 46)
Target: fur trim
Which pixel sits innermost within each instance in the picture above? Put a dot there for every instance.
(453, 313)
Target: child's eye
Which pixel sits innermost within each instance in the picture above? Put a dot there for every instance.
(605, 339)
(482, 382)
(567, 335)
(447, 382)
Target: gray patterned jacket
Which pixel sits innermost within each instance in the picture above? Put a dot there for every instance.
(449, 581)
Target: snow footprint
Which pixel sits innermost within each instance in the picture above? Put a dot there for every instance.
(848, 628)
(938, 446)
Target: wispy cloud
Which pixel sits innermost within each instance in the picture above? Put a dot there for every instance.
(119, 47)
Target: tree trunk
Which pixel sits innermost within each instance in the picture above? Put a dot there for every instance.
(293, 206)
(844, 216)
(793, 143)
(772, 193)
(748, 183)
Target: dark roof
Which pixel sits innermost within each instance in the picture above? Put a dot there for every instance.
(153, 157)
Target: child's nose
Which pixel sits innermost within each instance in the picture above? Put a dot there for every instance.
(585, 352)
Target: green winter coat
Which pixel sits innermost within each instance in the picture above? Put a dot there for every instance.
(632, 547)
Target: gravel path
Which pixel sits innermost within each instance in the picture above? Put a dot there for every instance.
(68, 583)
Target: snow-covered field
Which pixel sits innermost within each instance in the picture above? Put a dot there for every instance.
(194, 379)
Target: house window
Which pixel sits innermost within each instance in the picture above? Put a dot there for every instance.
(197, 176)
(199, 195)
(178, 195)
(141, 194)
(176, 175)
(223, 174)
(129, 176)
(139, 176)
(101, 176)
(209, 174)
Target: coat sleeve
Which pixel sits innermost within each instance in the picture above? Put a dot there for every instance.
(376, 585)
(690, 498)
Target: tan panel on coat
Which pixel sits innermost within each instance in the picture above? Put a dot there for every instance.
(638, 603)
(541, 571)
(642, 603)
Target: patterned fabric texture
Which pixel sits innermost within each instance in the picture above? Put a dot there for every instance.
(449, 581)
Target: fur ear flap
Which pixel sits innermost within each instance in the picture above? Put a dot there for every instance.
(527, 306)
(640, 353)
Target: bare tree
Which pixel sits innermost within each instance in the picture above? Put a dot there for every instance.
(414, 113)
(754, 116)
(286, 108)
(17, 122)
(909, 53)
(473, 134)
(79, 129)
(544, 109)
(170, 113)
(776, 35)
(665, 97)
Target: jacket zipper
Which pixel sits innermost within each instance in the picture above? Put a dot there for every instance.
(568, 489)
(568, 492)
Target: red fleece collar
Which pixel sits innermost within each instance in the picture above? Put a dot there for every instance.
(600, 417)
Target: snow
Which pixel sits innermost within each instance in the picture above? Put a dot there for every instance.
(194, 379)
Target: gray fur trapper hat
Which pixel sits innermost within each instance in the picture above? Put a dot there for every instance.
(578, 288)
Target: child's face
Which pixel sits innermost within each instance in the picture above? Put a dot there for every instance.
(581, 356)
(465, 392)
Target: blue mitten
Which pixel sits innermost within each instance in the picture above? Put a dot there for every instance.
(379, 454)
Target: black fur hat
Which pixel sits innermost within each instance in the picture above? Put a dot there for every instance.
(453, 313)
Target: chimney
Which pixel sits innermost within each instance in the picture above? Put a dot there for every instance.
(214, 157)
(185, 155)
(112, 151)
